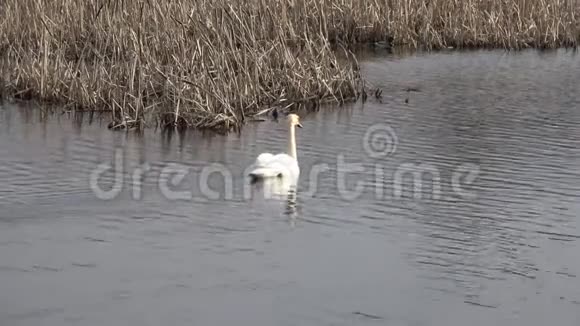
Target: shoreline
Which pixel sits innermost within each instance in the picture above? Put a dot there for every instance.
(214, 65)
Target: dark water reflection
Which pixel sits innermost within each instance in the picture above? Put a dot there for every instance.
(498, 245)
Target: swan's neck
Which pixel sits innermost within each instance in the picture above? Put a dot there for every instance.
(292, 142)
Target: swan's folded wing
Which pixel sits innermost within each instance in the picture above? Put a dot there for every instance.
(283, 159)
(275, 165)
(265, 172)
(286, 164)
(263, 159)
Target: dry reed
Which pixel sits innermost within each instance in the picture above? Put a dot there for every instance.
(213, 64)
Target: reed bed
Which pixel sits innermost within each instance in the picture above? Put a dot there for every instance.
(216, 64)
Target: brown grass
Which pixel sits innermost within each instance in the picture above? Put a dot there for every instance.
(214, 64)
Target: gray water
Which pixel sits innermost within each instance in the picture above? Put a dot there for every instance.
(492, 237)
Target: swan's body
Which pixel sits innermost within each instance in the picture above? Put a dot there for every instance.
(271, 166)
(283, 165)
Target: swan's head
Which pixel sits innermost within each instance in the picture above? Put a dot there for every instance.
(294, 120)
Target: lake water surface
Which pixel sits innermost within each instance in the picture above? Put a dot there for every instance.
(491, 237)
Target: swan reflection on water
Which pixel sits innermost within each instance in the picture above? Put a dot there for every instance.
(279, 190)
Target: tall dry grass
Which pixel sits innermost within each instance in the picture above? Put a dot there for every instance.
(212, 64)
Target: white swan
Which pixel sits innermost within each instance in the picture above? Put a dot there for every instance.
(284, 165)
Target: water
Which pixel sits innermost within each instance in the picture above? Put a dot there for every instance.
(492, 236)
